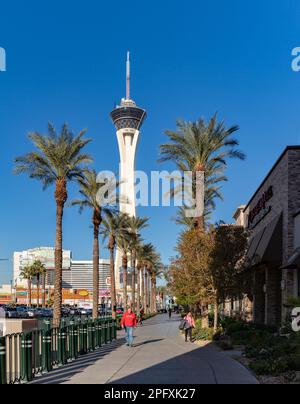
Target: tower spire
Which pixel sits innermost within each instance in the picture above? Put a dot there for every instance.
(128, 77)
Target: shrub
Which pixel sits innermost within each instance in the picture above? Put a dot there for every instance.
(218, 336)
(204, 334)
(272, 367)
(225, 345)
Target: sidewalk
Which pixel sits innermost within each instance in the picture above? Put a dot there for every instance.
(160, 356)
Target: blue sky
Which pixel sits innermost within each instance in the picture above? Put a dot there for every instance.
(65, 62)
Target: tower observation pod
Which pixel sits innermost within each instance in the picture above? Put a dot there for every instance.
(128, 119)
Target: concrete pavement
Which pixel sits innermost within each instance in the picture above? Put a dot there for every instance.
(160, 356)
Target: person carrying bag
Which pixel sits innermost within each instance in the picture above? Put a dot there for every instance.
(189, 326)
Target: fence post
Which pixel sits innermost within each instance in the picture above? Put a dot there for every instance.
(83, 339)
(71, 340)
(47, 351)
(106, 331)
(27, 357)
(2, 360)
(115, 329)
(89, 336)
(94, 334)
(99, 332)
(76, 340)
(62, 346)
(109, 330)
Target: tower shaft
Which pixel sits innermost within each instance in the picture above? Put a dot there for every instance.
(128, 119)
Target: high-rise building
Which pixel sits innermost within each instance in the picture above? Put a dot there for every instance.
(128, 119)
(76, 274)
(43, 254)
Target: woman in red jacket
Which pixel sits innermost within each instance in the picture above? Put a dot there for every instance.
(129, 322)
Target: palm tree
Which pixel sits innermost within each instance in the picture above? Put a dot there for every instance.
(124, 246)
(39, 271)
(91, 191)
(112, 226)
(134, 226)
(156, 270)
(27, 274)
(58, 159)
(145, 254)
(202, 148)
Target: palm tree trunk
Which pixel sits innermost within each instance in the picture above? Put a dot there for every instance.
(44, 291)
(96, 257)
(125, 279)
(38, 291)
(143, 288)
(133, 259)
(149, 293)
(146, 292)
(112, 277)
(154, 306)
(138, 289)
(29, 293)
(200, 186)
(61, 197)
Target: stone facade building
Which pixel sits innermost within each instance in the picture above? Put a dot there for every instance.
(272, 217)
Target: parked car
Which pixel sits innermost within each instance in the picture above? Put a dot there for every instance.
(65, 312)
(46, 313)
(85, 312)
(32, 313)
(22, 312)
(74, 311)
(10, 312)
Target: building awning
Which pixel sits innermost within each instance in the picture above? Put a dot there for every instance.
(294, 261)
(254, 244)
(266, 246)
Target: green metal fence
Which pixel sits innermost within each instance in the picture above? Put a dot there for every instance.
(24, 356)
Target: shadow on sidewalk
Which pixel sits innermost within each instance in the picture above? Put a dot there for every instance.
(201, 365)
(151, 341)
(64, 373)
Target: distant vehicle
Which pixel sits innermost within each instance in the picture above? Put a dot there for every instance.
(10, 312)
(74, 311)
(22, 312)
(65, 312)
(32, 313)
(46, 313)
(82, 311)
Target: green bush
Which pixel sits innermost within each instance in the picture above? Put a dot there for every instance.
(225, 345)
(204, 334)
(273, 367)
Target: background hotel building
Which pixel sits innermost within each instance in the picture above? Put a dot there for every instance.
(77, 275)
(272, 217)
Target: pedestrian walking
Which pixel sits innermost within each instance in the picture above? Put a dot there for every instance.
(129, 322)
(189, 326)
(141, 316)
